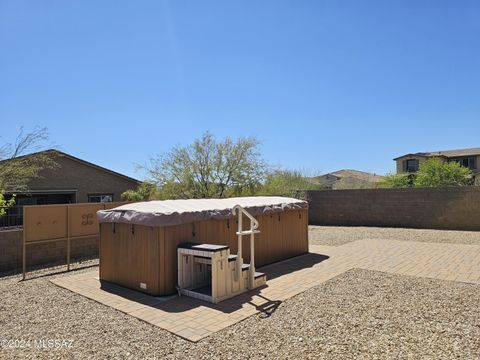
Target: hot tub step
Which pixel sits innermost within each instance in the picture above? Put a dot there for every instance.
(201, 295)
(203, 247)
(260, 279)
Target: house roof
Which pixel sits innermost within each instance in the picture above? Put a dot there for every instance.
(363, 175)
(446, 153)
(71, 157)
(354, 174)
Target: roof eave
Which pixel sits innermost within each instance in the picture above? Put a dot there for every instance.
(409, 155)
(84, 162)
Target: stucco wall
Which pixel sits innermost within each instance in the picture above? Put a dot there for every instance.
(420, 159)
(456, 208)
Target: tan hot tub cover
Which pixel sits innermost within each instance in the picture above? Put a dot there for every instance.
(176, 212)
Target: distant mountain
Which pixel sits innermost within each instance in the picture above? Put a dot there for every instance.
(347, 179)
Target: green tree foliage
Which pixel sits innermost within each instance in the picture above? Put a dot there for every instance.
(398, 180)
(209, 168)
(287, 183)
(436, 172)
(144, 192)
(5, 204)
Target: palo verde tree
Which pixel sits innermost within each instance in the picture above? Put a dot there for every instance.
(209, 168)
(16, 169)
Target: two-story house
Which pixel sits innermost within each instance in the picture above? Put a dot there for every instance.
(469, 158)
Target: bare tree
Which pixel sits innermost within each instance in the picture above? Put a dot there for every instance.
(208, 168)
(17, 166)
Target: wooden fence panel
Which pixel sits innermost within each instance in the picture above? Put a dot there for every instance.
(44, 222)
(65, 222)
(83, 219)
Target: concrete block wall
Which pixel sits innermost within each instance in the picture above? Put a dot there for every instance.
(454, 208)
(41, 254)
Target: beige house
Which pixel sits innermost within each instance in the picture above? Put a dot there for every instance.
(469, 158)
(73, 181)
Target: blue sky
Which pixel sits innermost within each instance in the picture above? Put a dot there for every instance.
(324, 84)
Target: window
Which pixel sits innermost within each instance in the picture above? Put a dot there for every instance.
(468, 161)
(411, 165)
(100, 198)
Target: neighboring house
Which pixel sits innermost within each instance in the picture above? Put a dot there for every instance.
(469, 158)
(348, 179)
(73, 181)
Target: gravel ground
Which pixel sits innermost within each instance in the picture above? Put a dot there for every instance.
(340, 235)
(360, 314)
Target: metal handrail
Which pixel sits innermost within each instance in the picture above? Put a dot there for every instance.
(247, 214)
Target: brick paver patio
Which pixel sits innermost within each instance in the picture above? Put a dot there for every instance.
(194, 319)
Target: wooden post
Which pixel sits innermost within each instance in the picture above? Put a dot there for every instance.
(180, 270)
(24, 245)
(68, 237)
(215, 276)
(251, 276)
